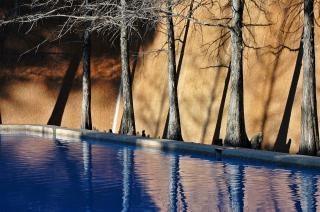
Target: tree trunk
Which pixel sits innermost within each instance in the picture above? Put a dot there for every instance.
(128, 123)
(133, 67)
(236, 132)
(86, 122)
(183, 47)
(309, 143)
(86, 83)
(174, 128)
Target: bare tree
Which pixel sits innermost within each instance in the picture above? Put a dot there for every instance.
(86, 122)
(183, 47)
(309, 143)
(174, 127)
(105, 17)
(236, 131)
(128, 122)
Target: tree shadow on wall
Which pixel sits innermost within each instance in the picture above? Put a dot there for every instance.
(281, 143)
(59, 107)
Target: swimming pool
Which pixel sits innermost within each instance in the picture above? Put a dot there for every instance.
(38, 174)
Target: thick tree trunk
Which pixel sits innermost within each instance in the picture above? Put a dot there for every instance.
(135, 59)
(309, 143)
(174, 128)
(86, 83)
(236, 131)
(128, 122)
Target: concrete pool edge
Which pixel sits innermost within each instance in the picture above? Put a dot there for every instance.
(55, 132)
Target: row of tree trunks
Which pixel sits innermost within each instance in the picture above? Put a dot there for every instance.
(236, 130)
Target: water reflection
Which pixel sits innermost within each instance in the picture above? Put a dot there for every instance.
(234, 174)
(128, 166)
(173, 183)
(87, 166)
(175, 186)
(307, 192)
(98, 177)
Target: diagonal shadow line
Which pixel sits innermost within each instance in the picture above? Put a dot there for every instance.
(59, 107)
(216, 135)
(281, 140)
(209, 113)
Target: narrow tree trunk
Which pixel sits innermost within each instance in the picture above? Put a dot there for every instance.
(86, 83)
(309, 143)
(183, 47)
(128, 123)
(236, 131)
(174, 128)
(86, 122)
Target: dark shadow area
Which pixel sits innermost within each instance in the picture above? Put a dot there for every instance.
(281, 144)
(58, 110)
(41, 47)
(216, 135)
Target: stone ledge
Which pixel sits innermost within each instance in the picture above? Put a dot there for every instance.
(54, 132)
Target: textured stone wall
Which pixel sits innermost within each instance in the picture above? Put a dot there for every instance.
(30, 86)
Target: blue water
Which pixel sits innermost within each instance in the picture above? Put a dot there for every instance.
(38, 174)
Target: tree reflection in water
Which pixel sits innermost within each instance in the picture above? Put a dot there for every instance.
(176, 186)
(88, 177)
(87, 166)
(308, 190)
(235, 178)
(128, 166)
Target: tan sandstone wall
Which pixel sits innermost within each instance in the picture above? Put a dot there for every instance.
(29, 90)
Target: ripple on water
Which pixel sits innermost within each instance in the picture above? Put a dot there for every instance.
(38, 174)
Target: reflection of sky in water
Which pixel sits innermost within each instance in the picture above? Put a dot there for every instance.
(40, 175)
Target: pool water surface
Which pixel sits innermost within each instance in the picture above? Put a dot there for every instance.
(39, 174)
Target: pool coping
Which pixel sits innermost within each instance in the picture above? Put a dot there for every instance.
(55, 132)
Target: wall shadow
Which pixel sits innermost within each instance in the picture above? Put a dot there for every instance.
(212, 98)
(216, 135)
(281, 143)
(59, 107)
